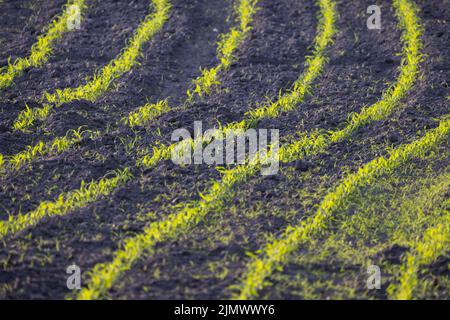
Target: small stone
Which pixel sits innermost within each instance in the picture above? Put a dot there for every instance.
(394, 137)
(301, 165)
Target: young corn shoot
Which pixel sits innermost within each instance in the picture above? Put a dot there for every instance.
(65, 203)
(42, 149)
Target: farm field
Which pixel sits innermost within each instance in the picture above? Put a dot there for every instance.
(93, 204)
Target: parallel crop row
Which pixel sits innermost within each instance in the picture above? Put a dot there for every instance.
(54, 147)
(42, 49)
(143, 114)
(287, 102)
(435, 242)
(103, 80)
(275, 254)
(226, 50)
(105, 275)
(66, 202)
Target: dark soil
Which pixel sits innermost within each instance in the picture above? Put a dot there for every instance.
(362, 64)
(21, 22)
(141, 85)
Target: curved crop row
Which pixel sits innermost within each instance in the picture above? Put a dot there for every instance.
(408, 22)
(226, 49)
(66, 202)
(273, 255)
(435, 242)
(138, 117)
(54, 147)
(105, 275)
(103, 80)
(42, 49)
(289, 101)
(60, 144)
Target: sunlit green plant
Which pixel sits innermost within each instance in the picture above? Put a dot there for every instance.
(105, 77)
(65, 203)
(43, 48)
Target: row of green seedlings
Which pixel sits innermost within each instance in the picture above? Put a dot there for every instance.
(273, 258)
(42, 50)
(434, 243)
(57, 146)
(391, 208)
(326, 27)
(70, 201)
(105, 77)
(274, 255)
(185, 216)
(148, 112)
(232, 177)
(287, 102)
(210, 78)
